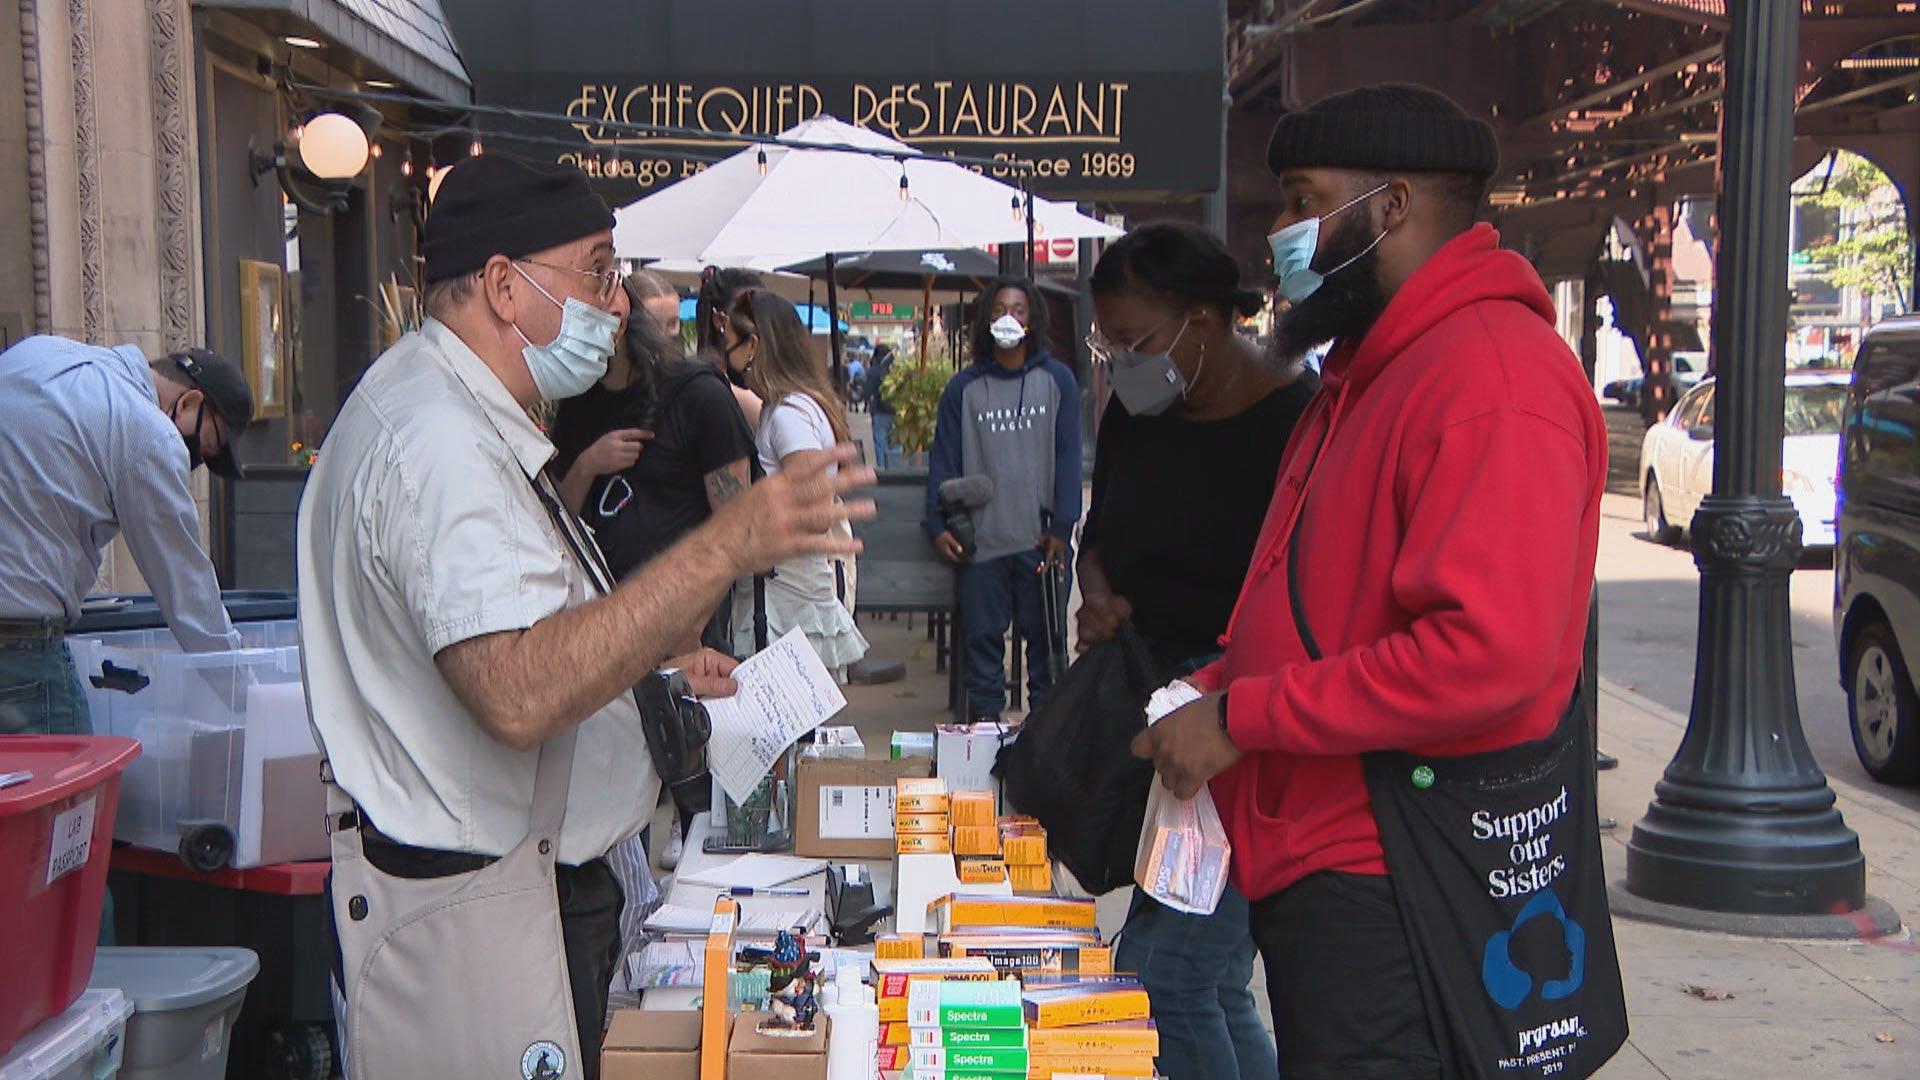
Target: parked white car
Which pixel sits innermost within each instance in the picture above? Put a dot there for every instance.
(1676, 460)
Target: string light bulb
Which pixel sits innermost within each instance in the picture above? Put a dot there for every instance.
(905, 195)
(376, 151)
(1017, 215)
(475, 150)
(406, 162)
(761, 161)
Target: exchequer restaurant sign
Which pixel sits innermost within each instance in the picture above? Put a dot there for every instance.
(1129, 100)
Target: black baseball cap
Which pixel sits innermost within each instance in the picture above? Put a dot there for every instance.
(225, 387)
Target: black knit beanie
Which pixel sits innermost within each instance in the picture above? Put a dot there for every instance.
(1393, 128)
(495, 205)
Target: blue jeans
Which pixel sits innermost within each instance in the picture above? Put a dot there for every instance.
(993, 594)
(40, 691)
(1196, 969)
(885, 454)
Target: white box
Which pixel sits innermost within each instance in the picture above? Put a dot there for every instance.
(227, 752)
(964, 755)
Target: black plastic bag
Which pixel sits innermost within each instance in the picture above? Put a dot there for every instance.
(1072, 766)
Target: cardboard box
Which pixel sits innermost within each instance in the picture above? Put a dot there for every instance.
(846, 808)
(753, 1056)
(642, 1045)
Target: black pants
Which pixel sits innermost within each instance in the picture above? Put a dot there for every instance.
(590, 903)
(1341, 981)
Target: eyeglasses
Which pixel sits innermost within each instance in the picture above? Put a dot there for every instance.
(609, 280)
(1102, 348)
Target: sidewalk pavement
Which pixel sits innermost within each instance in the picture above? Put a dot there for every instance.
(1780, 1008)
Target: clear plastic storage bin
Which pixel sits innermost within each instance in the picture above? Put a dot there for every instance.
(87, 1042)
(230, 774)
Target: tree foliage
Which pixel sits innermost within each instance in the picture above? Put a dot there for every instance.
(1871, 250)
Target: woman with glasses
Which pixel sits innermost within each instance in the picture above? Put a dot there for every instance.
(647, 454)
(770, 350)
(1183, 469)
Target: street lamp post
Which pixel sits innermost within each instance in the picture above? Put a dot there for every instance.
(1743, 821)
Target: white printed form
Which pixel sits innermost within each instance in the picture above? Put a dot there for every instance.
(785, 692)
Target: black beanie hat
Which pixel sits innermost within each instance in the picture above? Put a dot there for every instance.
(495, 205)
(1392, 128)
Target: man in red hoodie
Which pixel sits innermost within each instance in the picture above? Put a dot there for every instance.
(1441, 500)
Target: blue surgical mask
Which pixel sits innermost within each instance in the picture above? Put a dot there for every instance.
(1148, 383)
(577, 357)
(1295, 246)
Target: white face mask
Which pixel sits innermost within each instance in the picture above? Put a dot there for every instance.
(1149, 383)
(1007, 331)
(577, 357)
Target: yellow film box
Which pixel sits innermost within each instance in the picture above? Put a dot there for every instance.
(973, 808)
(982, 871)
(976, 840)
(922, 843)
(962, 910)
(1031, 879)
(920, 823)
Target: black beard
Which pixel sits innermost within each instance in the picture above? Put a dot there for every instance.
(1344, 307)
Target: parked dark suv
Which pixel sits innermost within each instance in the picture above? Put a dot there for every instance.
(1876, 581)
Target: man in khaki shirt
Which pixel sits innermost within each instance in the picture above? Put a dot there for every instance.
(449, 629)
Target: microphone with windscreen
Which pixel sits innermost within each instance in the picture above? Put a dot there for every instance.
(959, 498)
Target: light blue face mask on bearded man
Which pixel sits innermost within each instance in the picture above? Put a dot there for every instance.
(577, 357)
(1295, 246)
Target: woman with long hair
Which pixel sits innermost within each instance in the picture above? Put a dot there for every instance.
(771, 352)
(713, 329)
(648, 453)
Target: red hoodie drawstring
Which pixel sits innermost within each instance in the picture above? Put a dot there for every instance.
(1277, 545)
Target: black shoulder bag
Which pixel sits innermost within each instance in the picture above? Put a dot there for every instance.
(1495, 862)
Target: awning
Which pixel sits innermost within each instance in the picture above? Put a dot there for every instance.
(408, 38)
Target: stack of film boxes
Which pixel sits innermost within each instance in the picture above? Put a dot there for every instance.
(922, 824)
(964, 1016)
(1023, 844)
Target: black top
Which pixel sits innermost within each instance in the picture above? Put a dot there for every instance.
(1177, 509)
(697, 428)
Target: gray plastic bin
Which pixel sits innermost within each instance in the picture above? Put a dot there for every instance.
(185, 1002)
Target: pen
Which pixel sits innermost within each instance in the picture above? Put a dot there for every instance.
(749, 890)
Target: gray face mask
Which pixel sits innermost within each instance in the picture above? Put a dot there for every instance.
(1148, 383)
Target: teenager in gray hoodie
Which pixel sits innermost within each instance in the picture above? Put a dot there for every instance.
(1012, 416)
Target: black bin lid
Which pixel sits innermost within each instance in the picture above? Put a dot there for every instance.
(142, 612)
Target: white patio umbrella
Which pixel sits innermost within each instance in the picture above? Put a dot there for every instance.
(817, 200)
(844, 189)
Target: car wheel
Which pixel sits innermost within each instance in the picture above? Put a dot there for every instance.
(1883, 711)
(1655, 513)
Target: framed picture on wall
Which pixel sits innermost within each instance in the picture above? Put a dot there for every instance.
(263, 335)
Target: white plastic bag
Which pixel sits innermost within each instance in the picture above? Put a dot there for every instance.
(1183, 854)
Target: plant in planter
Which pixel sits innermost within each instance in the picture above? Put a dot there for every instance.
(914, 392)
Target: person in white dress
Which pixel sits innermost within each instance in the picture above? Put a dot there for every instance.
(767, 345)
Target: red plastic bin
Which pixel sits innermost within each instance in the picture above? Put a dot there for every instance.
(56, 838)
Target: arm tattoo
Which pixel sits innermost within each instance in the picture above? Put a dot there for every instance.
(724, 483)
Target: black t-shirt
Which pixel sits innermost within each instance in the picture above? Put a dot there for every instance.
(1177, 508)
(697, 429)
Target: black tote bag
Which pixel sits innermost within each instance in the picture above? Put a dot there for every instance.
(1495, 862)
(1073, 768)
